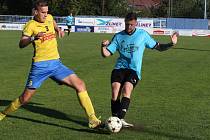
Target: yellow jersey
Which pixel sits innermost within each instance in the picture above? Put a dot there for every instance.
(46, 47)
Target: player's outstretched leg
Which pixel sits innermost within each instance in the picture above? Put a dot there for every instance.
(2, 116)
(11, 108)
(94, 122)
(86, 103)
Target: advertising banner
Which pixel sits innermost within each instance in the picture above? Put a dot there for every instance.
(162, 31)
(185, 32)
(115, 22)
(144, 23)
(118, 23)
(84, 29)
(85, 21)
(8, 26)
(104, 29)
(201, 33)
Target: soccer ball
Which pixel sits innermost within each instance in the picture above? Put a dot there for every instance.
(113, 124)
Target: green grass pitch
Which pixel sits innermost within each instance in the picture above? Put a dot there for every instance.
(172, 101)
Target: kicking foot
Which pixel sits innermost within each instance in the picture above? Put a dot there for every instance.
(2, 116)
(125, 124)
(94, 123)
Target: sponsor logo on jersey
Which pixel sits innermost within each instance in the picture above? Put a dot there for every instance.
(48, 36)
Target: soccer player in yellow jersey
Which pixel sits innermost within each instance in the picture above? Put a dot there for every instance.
(41, 32)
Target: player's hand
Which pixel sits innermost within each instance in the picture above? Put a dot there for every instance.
(104, 43)
(61, 34)
(39, 35)
(174, 37)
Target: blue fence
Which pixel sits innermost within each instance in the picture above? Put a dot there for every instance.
(185, 23)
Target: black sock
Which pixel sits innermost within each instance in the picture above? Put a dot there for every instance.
(115, 107)
(124, 107)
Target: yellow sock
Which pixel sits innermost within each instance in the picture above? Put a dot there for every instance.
(87, 105)
(12, 107)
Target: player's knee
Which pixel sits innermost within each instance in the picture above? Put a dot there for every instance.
(128, 88)
(26, 96)
(80, 86)
(24, 100)
(127, 92)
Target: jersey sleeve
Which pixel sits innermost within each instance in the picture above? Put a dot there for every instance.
(49, 17)
(28, 29)
(150, 42)
(113, 46)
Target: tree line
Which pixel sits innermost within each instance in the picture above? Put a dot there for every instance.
(178, 8)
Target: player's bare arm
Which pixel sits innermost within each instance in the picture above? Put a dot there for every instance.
(59, 32)
(26, 40)
(104, 51)
(164, 47)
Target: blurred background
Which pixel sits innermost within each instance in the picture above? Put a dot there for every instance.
(144, 8)
(158, 17)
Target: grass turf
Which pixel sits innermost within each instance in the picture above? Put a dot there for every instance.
(170, 102)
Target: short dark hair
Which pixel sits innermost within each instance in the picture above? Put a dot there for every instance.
(131, 16)
(40, 3)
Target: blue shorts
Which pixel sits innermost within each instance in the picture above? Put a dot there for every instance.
(42, 70)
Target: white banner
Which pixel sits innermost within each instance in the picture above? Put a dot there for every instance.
(104, 29)
(85, 21)
(185, 32)
(8, 26)
(200, 32)
(117, 22)
(144, 23)
(162, 31)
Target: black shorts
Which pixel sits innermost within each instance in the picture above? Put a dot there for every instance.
(124, 75)
(69, 26)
